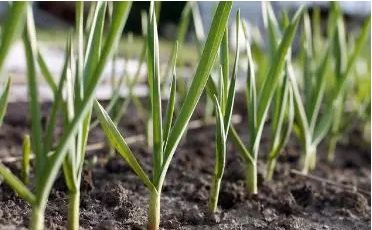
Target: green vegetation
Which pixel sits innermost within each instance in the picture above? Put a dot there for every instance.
(164, 146)
(313, 93)
(76, 108)
(224, 101)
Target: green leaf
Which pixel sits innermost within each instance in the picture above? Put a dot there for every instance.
(12, 29)
(29, 39)
(225, 63)
(317, 39)
(154, 84)
(4, 100)
(114, 101)
(284, 20)
(230, 93)
(198, 83)
(198, 25)
(322, 127)
(17, 185)
(244, 152)
(121, 11)
(251, 93)
(360, 41)
(339, 49)
(220, 141)
(93, 49)
(89, 21)
(84, 131)
(300, 114)
(157, 10)
(181, 34)
(290, 118)
(319, 90)
(211, 88)
(284, 121)
(230, 103)
(117, 141)
(270, 83)
(272, 26)
(70, 164)
(26, 152)
(46, 73)
(279, 113)
(58, 103)
(308, 62)
(170, 108)
(332, 19)
(221, 86)
(79, 73)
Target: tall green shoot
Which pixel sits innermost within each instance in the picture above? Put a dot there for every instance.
(283, 112)
(312, 126)
(344, 63)
(258, 102)
(224, 102)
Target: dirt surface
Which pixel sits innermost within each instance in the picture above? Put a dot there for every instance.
(114, 198)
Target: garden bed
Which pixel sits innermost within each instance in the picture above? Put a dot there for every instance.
(334, 196)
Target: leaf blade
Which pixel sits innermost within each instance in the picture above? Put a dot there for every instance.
(117, 141)
(199, 81)
(4, 100)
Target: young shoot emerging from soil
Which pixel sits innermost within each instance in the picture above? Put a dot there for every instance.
(258, 102)
(224, 102)
(283, 108)
(165, 138)
(311, 126)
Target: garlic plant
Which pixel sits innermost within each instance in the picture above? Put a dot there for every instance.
(164, 146)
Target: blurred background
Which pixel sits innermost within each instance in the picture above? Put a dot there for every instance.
(61, 15)
(55, 19)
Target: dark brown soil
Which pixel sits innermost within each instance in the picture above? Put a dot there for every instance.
(114, 198)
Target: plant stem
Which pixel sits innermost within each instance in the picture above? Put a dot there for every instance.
(37, 218)
(73, 210)
(309, 159)
(154, 211)
(213, 199)
(331, 148)
(270, 169)
(251, 177)
(312, 159)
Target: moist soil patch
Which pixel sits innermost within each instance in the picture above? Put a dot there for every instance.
(112, 196)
